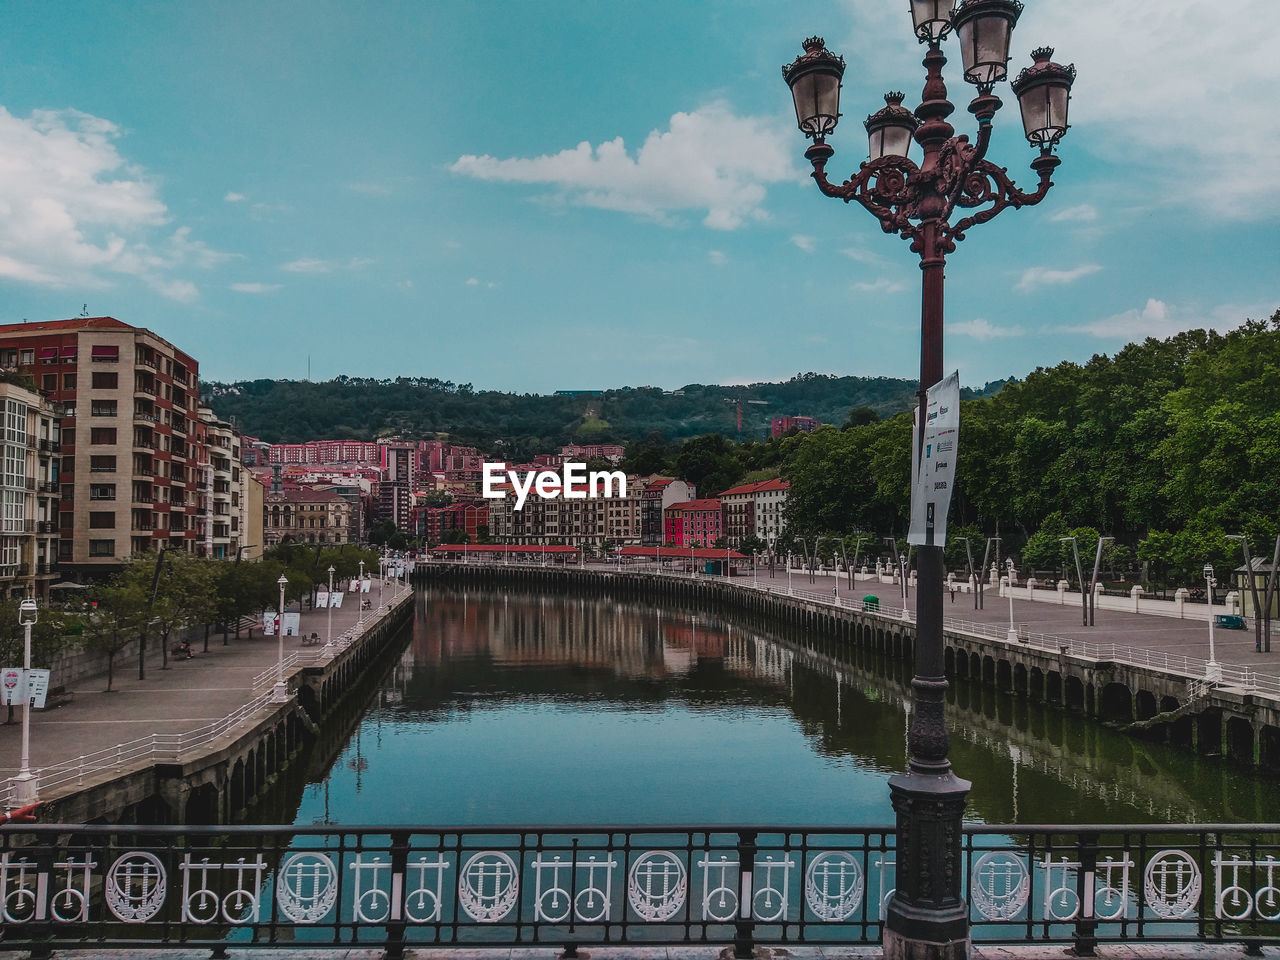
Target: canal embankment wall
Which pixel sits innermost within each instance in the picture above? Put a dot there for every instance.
(213, 775)
(1151, 700)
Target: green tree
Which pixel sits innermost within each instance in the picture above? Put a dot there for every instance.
(47, 638)
(118, 615)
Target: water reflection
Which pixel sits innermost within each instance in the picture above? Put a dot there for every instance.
(559, 709)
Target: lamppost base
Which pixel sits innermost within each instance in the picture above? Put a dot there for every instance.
(928, 918)
(280, 693)
(1013, 635)
(1213, 671)
(26, 789)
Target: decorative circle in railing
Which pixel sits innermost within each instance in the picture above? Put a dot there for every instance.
(657, 886)
(135, 887)
(1171, 884)
(833, 885)
(308, 887)
(489, 886)
(1000, 885)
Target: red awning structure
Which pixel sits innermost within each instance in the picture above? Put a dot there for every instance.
(105, 352)
(501, 548)
(682, 553)
(69, 353)
(48, 353)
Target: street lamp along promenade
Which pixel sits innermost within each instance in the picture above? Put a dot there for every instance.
(280, 692)
(25, 784)
(927, 916)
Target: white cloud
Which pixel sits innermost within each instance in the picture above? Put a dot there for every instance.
(708, 159)
(807, 244)
(77, 213)
(1082, 213)
(1035, 277)
(1157, 319)
(313, 265)
(717, 257)
(233, 197)
(473, 281)
(882, 285)
(860, 255)
(1167, 87)
(452, 245)
(255, 287)
(981, 329)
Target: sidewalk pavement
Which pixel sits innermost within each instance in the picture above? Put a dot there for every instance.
(185, 696)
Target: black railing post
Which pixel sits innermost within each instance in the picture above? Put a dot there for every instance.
(744, 929)
(395, 905)
(1084, 937)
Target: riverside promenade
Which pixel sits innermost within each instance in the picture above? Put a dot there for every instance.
(188, 704)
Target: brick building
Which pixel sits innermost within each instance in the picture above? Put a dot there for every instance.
(127, 471)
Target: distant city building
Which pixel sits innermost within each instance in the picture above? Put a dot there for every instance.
(434, 524)
(306, 516)
(613, 452)
(754, 508)
(784, 425)
(221, 488)
(659, 494)
(695, 523)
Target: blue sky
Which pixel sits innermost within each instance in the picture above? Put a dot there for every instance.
(535, 196)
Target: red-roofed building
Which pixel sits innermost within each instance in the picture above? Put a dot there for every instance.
(694, 522)
(434, 523)
(659, 494)
(754, 508)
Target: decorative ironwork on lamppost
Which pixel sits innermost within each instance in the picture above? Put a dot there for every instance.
(280, 692)
(927, 916)
(25, 784)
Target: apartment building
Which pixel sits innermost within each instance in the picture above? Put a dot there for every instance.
(781, 426)
(129, 443)
(695, 523)
(28, 490)
(754, 508)
(658, 495)
(221, 489)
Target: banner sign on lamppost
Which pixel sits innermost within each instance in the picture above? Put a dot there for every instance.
(12, 686)
(933, 463)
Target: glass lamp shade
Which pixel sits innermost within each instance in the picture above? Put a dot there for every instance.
(1043, 91)
(985, 28)
(890, 130)
(932, 19)
(814, 79)
(27, 613)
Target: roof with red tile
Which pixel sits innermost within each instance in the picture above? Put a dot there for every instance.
(777, 483)
(696, 505)
(75, 323)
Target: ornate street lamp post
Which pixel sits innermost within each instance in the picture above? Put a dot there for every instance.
(328, 635)
(927, 916)
(25, 783)
(280, 692)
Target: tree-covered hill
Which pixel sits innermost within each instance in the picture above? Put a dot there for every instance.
(290, 411)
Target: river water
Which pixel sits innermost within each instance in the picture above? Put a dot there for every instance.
(530, 709)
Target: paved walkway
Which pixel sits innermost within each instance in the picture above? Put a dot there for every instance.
(187, 695)
(1169, 635)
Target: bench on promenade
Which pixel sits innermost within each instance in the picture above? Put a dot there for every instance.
(310, 641)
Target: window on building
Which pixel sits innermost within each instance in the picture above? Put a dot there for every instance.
(104, 353)
(102, 435)
(102, 548)
(102, 520)
(105, 379)
(102, 464)
(66, 519)
(103, 408)
(49, 382)
(68, 492)
(68, 381)
(64, 550)
(26, 357)
(102, 491)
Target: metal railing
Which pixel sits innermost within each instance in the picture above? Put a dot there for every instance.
(395, 887)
